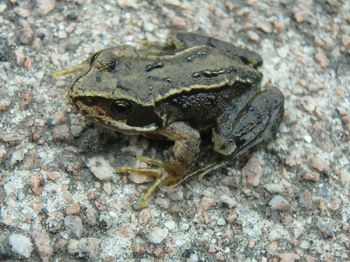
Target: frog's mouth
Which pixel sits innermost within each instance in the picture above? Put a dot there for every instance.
(116, 114)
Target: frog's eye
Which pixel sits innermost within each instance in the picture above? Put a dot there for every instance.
(120, 107)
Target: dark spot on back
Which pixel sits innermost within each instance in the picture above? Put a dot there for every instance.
(153, 66)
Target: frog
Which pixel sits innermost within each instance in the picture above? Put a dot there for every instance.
(190, 88)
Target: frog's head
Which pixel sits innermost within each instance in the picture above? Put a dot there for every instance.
(100, 95)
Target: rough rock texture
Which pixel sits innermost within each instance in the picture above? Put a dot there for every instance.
(59, 198)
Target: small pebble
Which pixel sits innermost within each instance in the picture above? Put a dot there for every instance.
(275, 235)
(158, 252)
(2, 7)
(90, 216)
(163, 202)
(20, 56)
(231, 217)
(105, 220)
(25, 35)
(272, 246)
(279, 203)
(100, 168)
(327, 230)
(42, 243)
(128, 4)
(59, 117)
(306, 200)
(322, 59)
(73, 209)
(344, 178)
(345, 39)
(308, 104)
(157, 235)
(251, 244)
(265, 27)
(221, 222)
(335, 203)
(175, 3)
(231, 202)
(289, 257)
(21, 245)
(107, 187)
(304, 244)
(176, 194)
(5, 102)
(84, 248)
(206, 203)
(311, 176)
(230, 6)
(23, 12)
(252, 172)
(45, 6)
(62, 34)
(170, 225)
(274, 188)
(36, 181)
(320, 165)
(308, 138)
(254, 37)
(74, 225)
(178, 23)
(53, 175)
(60, 133)
(277, 24)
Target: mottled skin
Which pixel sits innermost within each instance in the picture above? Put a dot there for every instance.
(191, 86)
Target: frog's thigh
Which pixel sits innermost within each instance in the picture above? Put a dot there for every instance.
(187, 142)
(257, 124)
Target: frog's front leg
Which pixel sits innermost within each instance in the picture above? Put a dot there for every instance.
(184, 153)
(256, 124)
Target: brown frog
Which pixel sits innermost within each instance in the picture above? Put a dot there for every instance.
(191, 87)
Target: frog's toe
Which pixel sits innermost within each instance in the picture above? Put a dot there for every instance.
(151, 161)
(146, 171)
(164, 179)
(165, 173)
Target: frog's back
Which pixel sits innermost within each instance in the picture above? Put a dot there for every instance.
(193, 69)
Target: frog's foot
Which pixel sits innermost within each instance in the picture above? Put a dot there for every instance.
(165, 173)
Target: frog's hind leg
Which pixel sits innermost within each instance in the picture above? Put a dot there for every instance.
(256, 125)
